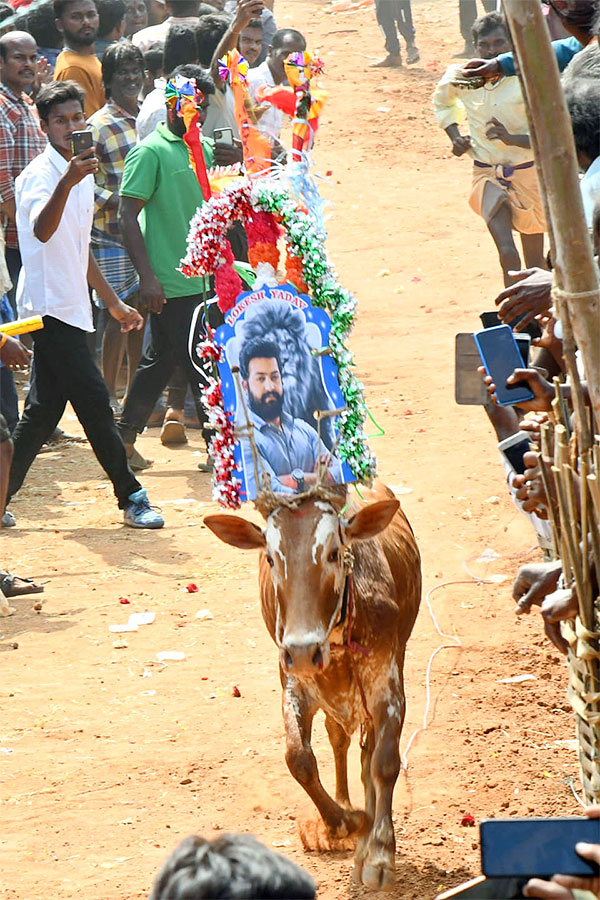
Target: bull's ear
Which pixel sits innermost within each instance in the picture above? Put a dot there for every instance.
(236, 531)
(369, 521)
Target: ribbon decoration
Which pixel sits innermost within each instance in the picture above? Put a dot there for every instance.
(183, 96)
(301, 100)
(233, 69)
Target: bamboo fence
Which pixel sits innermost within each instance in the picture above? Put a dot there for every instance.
(569, 455)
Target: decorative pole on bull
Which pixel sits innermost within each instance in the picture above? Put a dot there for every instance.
(571, 467)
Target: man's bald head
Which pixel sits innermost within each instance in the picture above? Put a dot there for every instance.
(18, 60)
(14, 38)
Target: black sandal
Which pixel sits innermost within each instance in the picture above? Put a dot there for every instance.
(10, 589)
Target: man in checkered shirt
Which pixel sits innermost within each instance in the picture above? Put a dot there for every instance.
(21, 138)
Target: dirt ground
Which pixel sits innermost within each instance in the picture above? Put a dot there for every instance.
(109, 758)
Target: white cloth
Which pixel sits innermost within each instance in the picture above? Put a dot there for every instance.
(271, 121)
(152, 111)
(153, 33)
(590, 191)
(503, 101)
(220, 113)
(53, 280)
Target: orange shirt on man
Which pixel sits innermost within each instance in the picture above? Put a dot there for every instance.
(86, 70)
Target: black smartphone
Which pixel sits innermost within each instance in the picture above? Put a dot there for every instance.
(81, 140)
(491, 320)
(537, 847)
(500, 356)
(513, 449)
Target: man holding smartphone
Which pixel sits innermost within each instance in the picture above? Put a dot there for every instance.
(55, 207)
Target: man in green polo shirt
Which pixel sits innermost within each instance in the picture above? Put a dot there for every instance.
(160, 187)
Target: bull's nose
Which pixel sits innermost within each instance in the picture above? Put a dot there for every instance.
(298, 659)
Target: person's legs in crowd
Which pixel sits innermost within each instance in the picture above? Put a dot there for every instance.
(407, 30)
(9, 401)
(467, 12)
(173, 429)
(13, 262)
(64, 370)
(114, 346)
(387, 16)
(500, 228)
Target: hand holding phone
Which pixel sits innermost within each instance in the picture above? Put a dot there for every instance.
(501, 357)
(83, 162)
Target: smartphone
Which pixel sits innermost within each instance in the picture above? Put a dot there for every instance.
(513, 449)
(483, 888)
(537, 847)
(500, 355)
(490, 320)
(524, 344)
(81, 140)
(223, 136)
(469, 389)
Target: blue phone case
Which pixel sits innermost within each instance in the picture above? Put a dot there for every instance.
(536, 847)
(500, 355)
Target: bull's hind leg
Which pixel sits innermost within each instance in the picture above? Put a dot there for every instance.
(340, 742)
(298, 715)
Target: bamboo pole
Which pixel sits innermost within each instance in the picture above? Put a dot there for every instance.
(576, 275)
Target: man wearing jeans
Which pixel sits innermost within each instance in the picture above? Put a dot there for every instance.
(161, 188)
(55, 208)
(395, 16)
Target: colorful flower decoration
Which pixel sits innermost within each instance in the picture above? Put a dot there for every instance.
(256, 149)
(308, 265)
(184, 97)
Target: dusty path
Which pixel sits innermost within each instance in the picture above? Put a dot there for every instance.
(109, 758)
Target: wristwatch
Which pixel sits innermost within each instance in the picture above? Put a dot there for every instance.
(298, 476)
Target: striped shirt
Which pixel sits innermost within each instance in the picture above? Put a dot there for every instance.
(21, 140)
(114, 136)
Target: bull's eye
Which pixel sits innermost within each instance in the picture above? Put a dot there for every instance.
(333, 556)
(270, 560)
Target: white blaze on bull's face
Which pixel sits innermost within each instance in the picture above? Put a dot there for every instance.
(305, 552)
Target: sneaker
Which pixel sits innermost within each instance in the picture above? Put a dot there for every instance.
(137, 462)
(139, 513)
(8, 520)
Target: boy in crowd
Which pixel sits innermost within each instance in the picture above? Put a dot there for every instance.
(179, 12)
(55, 205)
(113, 128)
(505, 190)
(78, 22)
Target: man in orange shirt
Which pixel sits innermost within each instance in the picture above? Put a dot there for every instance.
(78, 22)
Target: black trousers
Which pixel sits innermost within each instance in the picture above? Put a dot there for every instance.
(63, 371)
(392, 13)
(168, 347)
(467, 11)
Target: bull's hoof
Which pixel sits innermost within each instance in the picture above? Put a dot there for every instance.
(377, 877)
(316, 835)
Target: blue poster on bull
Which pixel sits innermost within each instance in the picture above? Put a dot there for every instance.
(275, 337)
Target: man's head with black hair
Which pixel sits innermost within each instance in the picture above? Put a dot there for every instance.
(490, 35)
(111, 15)
(250, 40)
(180, 47)
(55, 94)
(6, 12)
(182, 8)
(209, 31)
(136, 17)
(234, 866)
(78, 22)
(18, 60)
(583, 103)
(123, 72)
(153, 58)
(260, 368)
(204, 85)
(285, 41)
(41, 23)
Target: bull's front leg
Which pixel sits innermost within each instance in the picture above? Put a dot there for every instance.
(298, 714)
(375, 861)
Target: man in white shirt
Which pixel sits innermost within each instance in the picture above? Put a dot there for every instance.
(272, 72)
(55, 210)
(179, 12)
(505, 190)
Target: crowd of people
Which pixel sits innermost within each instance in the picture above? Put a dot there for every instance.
(83, 233)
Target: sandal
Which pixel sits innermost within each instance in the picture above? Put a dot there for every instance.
(14, 586)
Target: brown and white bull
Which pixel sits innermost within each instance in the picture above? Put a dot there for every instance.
(340, 594)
